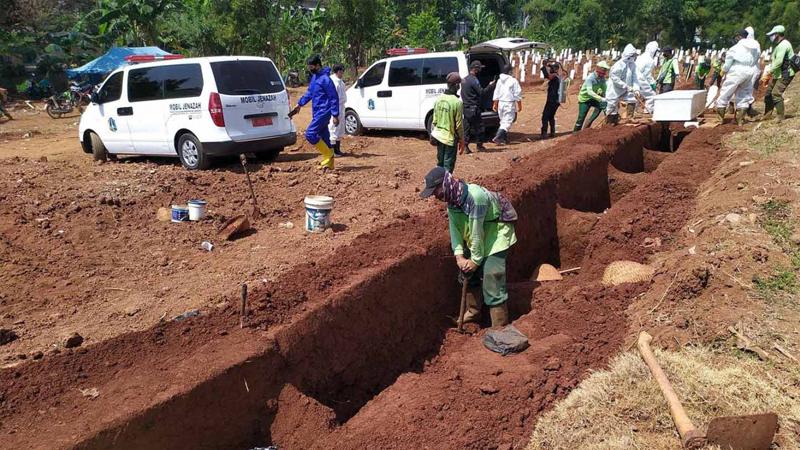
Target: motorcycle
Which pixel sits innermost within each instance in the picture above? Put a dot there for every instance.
(77, 97)
(293, 79)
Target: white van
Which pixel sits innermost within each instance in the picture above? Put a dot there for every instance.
(398, 92)
(193, 108)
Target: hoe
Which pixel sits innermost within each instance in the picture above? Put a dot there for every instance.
(752, 432)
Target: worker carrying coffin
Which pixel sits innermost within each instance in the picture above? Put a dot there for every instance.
(481, 232)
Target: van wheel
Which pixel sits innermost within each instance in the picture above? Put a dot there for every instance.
(99, 151)
(352, 124)
(190, 150)
(429, 124)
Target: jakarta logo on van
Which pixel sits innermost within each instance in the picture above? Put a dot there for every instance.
(112, 124)
(371, 104)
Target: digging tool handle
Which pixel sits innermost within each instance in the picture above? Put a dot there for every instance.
(243, 159)
(463, 307)
(691, 437)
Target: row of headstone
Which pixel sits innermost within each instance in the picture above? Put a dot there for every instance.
(526, 63)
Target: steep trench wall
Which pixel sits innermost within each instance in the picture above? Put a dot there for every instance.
(387, 318)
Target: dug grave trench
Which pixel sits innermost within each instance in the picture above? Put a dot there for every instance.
(386, 319)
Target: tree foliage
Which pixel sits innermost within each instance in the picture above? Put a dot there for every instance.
(53, 34)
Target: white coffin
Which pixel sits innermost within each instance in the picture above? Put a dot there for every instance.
(679, 106)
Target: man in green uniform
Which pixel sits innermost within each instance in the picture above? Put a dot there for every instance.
(481, 232)
(701, 72)
(592, 95)
(669, 72)
(781, 73)
(716, 65)
(447, 127)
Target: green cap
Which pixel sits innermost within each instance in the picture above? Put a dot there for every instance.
(777, 29)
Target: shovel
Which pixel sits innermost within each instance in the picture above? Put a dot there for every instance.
(751, 432)
(256, 212)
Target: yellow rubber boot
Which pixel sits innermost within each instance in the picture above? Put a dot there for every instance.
(327, 154)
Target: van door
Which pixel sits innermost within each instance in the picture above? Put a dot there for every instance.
(403, 94)
(112, 116)
(255, 103)
(365, 98)
(152, 92)
(434, 80)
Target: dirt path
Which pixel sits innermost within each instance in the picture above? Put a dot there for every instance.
(83, 252)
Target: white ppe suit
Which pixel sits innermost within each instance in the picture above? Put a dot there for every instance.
(751, 34)
(507, 92)
(645, 64)
(623, 80)
(740, 63)
(337, 132)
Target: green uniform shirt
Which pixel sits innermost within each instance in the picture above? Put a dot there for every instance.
(783, 51)
(702, 70)
(668, 72)
(479, 229)
(592, 88)
(448, 113)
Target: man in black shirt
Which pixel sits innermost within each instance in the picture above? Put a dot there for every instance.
(550, 71)
(471, 95)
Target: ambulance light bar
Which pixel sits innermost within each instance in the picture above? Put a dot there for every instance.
(406, 51)
(133, 59)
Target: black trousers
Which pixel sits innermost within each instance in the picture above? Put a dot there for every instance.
(549, 117)
(473, 126)
(667, 88)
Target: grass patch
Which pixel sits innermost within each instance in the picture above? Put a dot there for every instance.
(771, 138)
(782, 281)
(622, 407)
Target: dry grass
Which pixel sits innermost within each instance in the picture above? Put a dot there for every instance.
(622, 407)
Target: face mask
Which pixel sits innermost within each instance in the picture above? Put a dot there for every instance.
(772, 37)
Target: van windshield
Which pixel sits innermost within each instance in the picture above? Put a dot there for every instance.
(246, 77)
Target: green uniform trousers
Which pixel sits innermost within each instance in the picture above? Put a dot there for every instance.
(583, 109)
(446, 156)
(491, 275)
(775, 90)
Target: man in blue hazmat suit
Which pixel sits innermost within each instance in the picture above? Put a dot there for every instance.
(623, 82)
(645, 64)
(324, 109)
(740, 65)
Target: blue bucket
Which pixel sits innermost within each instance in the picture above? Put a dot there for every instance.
(180, 213)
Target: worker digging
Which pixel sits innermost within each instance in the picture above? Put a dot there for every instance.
(481, 226)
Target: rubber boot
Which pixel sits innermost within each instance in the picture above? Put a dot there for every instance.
(612, 119)
(327, 155)
(499, 315)
(751, 112)
(721, 113)
(337, 149)
(467, 149)
(630, 109)
(474, 302)
(780, 112)
(500, 137)
(740, 115)
(479, 147)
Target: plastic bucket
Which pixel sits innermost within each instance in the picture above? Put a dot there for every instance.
(318, 212)
(180, 213)
(197, 209)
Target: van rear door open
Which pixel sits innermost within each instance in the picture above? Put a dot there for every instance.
(255, 103)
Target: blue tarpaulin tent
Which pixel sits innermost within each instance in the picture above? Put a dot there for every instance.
(95, 70)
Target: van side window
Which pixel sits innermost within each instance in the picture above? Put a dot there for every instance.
(374, 76)
(156, 83)
(405, 72)
(435, 70)
(112, 89)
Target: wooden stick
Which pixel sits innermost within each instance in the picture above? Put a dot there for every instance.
(243, 311)
(785, 352)
(749, 345)
(562, 272)
(463, 307)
